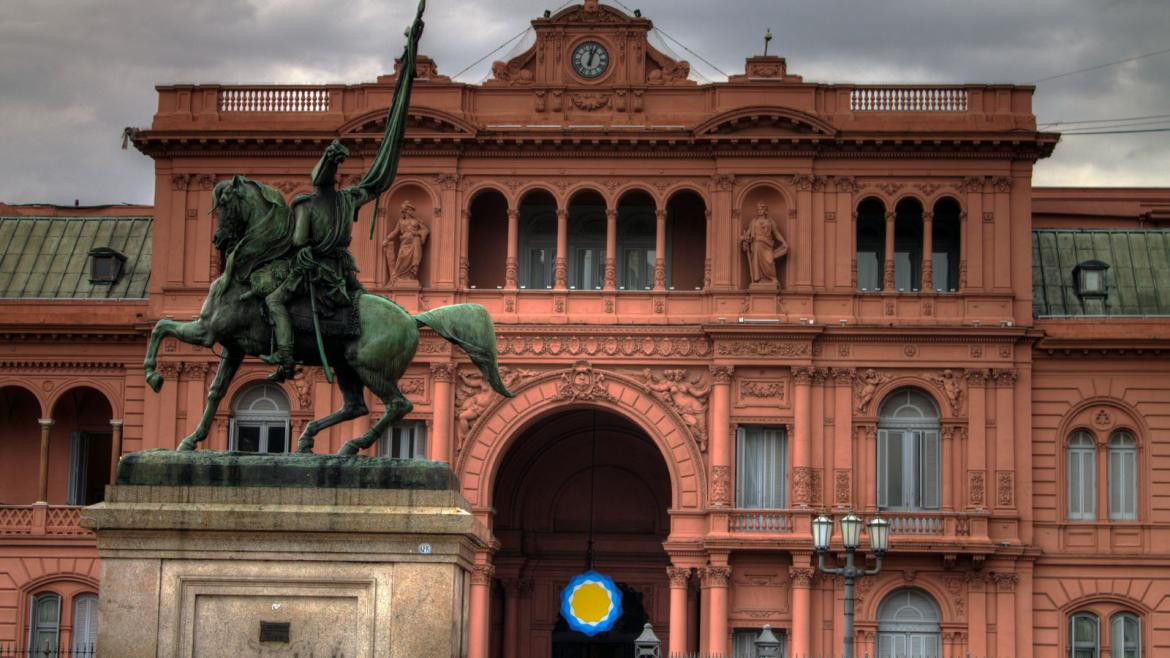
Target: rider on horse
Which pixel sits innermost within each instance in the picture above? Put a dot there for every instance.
(323, 223)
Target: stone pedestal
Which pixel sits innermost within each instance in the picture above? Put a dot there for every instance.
(323, 556)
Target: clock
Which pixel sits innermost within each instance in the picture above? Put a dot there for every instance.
(590, 59)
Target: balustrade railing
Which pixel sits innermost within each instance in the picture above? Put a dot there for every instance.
(274, 99)
(41, 520)
(915, 523)
(908, 99)
(761, 521)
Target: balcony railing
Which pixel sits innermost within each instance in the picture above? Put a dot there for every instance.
(41, 521)
(761, 520)
(908, 99)
(273, 99)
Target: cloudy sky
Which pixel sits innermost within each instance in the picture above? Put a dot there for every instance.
(73, 73)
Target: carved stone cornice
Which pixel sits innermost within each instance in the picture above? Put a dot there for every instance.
(722, 374)
(716, 576)
(1004, 377)
(843, 376)
(801, 576)
(482, 574)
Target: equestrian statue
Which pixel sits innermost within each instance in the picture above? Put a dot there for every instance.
(289, 292)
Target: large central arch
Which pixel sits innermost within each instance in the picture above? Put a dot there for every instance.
(581, 385)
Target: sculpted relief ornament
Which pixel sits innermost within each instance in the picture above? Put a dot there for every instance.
(402, 264)
(686, 396)
(474, 394)
(582, 383)
(866, 386)
(951, 384)
(764, 245)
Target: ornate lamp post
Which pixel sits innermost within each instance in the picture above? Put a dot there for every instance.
(879, 543)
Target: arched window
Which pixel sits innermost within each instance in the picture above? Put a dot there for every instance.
(908, 625)
(1084, 636)
(1122, 476)
(1082, 477)
(637, 232)
(871, 244)
(908, 460)
(537, 240)
(944, 245)
(587, 241)
(908, 246)
(44, 626)
(260, 420)
(1125, 635)
(85, 620)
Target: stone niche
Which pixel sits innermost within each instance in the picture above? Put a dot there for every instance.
(297, 555)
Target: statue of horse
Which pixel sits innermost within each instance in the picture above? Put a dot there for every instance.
(232, 316)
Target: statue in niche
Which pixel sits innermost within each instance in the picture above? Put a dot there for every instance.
(764, 245)
(411, 233)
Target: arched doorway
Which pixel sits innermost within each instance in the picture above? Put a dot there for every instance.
(564, 464)
(82, 431)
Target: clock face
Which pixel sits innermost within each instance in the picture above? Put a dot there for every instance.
(590, 59)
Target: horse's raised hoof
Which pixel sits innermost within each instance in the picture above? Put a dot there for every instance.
(155, 380)
(187, 444)
(350, 448)
(305, 446)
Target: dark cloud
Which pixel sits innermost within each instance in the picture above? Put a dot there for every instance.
(75, 72)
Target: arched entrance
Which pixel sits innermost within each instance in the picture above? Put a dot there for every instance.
(563, 465)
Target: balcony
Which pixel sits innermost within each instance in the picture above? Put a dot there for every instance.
(910, 529)
(40, 520)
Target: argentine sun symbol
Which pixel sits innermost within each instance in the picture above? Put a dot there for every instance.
(591, 603)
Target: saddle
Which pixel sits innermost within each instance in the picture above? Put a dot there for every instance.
(340, 321)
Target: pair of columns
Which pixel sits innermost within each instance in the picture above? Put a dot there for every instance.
(561, 280)
(927, 249)
(46, 428)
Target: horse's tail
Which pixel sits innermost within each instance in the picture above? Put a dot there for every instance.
(469, 326)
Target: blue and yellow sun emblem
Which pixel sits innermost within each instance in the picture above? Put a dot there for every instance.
(591, 603)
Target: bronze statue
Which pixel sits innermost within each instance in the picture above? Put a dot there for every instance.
(764, 245)
(294, 264)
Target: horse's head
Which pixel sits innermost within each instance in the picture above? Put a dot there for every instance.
(237, 203)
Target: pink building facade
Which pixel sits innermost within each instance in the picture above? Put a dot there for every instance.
(724, 308)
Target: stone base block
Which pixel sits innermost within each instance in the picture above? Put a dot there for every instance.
(214, 570)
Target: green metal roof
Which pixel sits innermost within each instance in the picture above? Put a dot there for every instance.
(48, 257)
(1137, 281)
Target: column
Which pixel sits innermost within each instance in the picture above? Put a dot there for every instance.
(842, 438)
(1005, 458)
(720, 453)
(801, 578)
(43, 483)
(441, 445)
(115, 449)
(977, 617)
(716, 579)
(928, 252)
(1005, 614)
(660, 250)
(977, 439)
(803, 228)
(512, 618)
(802, 441)
(512, 264)
(948, 440)
(888, 275)
(611, 215)
(562, 268)
(479, 608)
(677, 642)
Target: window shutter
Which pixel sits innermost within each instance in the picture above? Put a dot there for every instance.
(84, 623)
(883, 472)
(232, 433)
(76, 469)
(1089, 484)
(931, 464)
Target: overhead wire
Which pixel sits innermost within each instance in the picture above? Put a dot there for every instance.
(679, 43)
(1099, 66)
(497, 48)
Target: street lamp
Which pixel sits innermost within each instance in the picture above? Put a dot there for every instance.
(879, 543)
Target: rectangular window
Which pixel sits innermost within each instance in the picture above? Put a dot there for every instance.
(588, 268)
(1082, 484)
(761, 467)
(405, 440)
(1122, 484)
(869, 271)
(637, 268)
(262, 436)
(537, 270)
(85, 608)
(909, 463)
